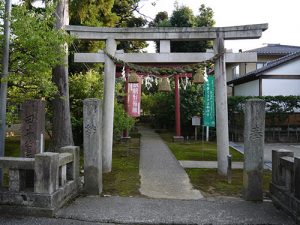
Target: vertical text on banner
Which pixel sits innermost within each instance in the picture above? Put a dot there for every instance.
(134, 99)
(209, 102)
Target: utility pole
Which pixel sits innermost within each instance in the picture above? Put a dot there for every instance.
(3, 87)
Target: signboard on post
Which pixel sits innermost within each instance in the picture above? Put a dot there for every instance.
(134, 99)
(209, 102)
(196, 121)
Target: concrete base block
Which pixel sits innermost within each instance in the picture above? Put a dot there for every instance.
(34, 204)
(253, 185)
(178, 139)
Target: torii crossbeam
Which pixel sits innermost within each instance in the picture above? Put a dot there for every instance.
(165, 35)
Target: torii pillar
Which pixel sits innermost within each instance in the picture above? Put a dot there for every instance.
(108, 106)
(221, 105)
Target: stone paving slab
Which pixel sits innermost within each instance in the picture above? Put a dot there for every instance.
(214, 211)
(9, 220)
(161, 174)
(214, 164)
(207, 164)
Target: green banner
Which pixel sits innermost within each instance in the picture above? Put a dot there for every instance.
(209, 102)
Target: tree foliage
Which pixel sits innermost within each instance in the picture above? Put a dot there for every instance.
(161, 107)
(90, 85)
(183, 16)
(34, 51)
(111, 13)
(82, 86)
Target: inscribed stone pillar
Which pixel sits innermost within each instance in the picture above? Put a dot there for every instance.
(254, 135)
(221, 105)
(108, 109)
(92, 144)
(32, 128)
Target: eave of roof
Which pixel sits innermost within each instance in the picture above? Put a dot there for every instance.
(276, 49)
(256, 73)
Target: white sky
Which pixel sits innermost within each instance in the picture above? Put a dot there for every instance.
(282, 17)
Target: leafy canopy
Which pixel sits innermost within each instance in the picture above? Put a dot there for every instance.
(35, 49)
(183, 16)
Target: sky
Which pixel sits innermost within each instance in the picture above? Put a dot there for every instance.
(282, 17)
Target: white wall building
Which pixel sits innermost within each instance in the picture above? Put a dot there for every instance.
(278, 77)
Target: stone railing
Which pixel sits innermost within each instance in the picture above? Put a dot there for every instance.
(285, 185)
(40, 185)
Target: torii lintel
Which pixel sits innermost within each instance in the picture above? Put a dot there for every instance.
(253, 31)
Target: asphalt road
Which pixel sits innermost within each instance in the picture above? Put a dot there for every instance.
(213, 211)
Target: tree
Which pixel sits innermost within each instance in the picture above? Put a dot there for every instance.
(82, 86)
(191, 104)
(90, 85)
(35, 50)
(30, 66)
(183, 16)
(117, 13)
(162, 105)
(62, 128)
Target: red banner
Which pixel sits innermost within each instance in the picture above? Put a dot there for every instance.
(134, 99)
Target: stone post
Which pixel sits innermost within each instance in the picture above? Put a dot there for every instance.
(108, 109)
(16, 180)
(33, 127)
(73, 169)
(221, 105)
(254, 135)
(277, 177)
(46, 168)
(92, 144)
(297, 177)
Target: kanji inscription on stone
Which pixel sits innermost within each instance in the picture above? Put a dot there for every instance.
(256, 133)
(32, 128)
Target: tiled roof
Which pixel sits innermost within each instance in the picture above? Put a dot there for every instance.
(276, 49)
(270, 65)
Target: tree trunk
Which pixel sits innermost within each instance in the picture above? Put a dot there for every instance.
(62, 128)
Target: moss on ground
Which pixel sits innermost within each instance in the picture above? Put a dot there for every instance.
(197, 150)
(208, 181)
(124, 179)
(213, 184)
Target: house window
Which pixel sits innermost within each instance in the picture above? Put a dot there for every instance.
(260, 65)
(236, 71)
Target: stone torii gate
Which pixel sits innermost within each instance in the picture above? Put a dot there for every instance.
(165, 35)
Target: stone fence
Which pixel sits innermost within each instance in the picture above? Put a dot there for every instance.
(39, 186)
(285, 185)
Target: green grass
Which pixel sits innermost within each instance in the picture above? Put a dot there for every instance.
(124, 179)
(197, 150)
(213, 184)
